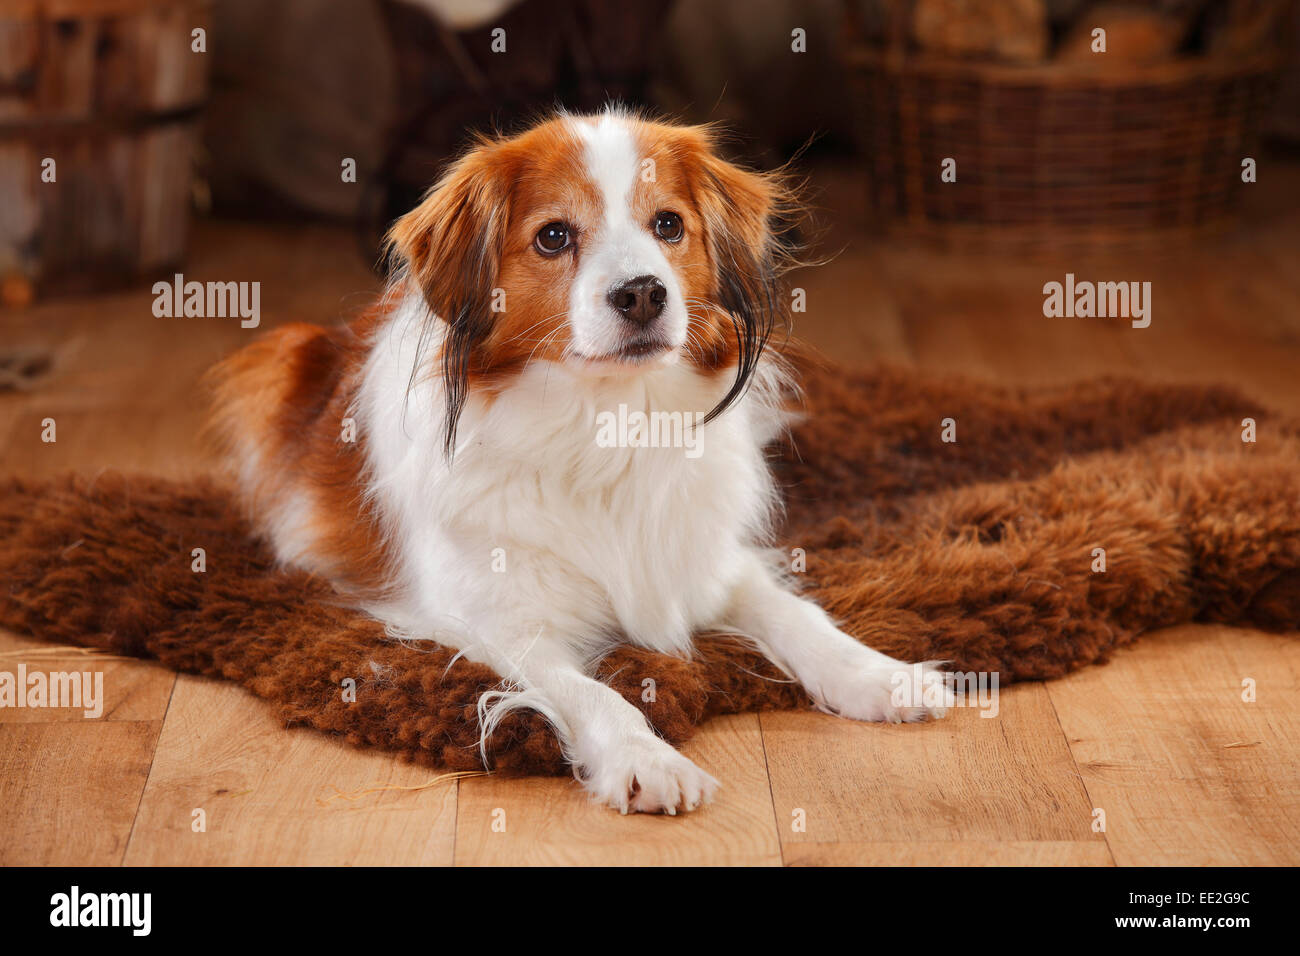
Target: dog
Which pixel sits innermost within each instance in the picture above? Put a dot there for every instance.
(438, 458)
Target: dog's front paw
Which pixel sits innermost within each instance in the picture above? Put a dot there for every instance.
(645, 775)
(893, 692)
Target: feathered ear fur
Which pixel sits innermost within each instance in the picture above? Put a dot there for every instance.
(451, 245)
(748, 218)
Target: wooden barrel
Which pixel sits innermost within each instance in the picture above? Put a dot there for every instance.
(100, 102)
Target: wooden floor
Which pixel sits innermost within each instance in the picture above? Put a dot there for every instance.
(1160, 741)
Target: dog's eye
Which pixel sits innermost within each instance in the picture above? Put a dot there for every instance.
(668, 226)
(552, 238)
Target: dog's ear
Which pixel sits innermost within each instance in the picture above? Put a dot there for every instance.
(451, 245)
(747, 218)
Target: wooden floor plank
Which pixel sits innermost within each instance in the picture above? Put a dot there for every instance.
(69, 790)
(950, 853)
(1185, 770)
(268, 794)
(550, 821)
(966, 778)
(874, 326)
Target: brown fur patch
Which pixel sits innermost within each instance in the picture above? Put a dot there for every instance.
(278, 412)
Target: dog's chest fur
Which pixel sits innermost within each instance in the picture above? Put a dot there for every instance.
(535, 513)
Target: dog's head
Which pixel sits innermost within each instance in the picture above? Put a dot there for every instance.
(610, 243)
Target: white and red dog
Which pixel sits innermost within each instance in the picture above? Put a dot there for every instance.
(591, 264)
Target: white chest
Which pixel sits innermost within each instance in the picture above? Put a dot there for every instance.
(595, 509)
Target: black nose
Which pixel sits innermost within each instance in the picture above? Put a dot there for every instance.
(640, 299)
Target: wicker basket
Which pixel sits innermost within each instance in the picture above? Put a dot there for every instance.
(1054, 156)
(111, 91)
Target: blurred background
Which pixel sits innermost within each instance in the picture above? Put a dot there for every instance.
(273, 141)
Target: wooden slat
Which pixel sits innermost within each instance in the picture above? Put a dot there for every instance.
(1187, 773)
(938, 853)
(69, 791)
(550, 821)
(966, 778)
(846, 320)
(265, 792)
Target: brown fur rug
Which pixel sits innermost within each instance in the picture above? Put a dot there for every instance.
(979, 552)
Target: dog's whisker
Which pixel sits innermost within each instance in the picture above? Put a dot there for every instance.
(515, 338)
